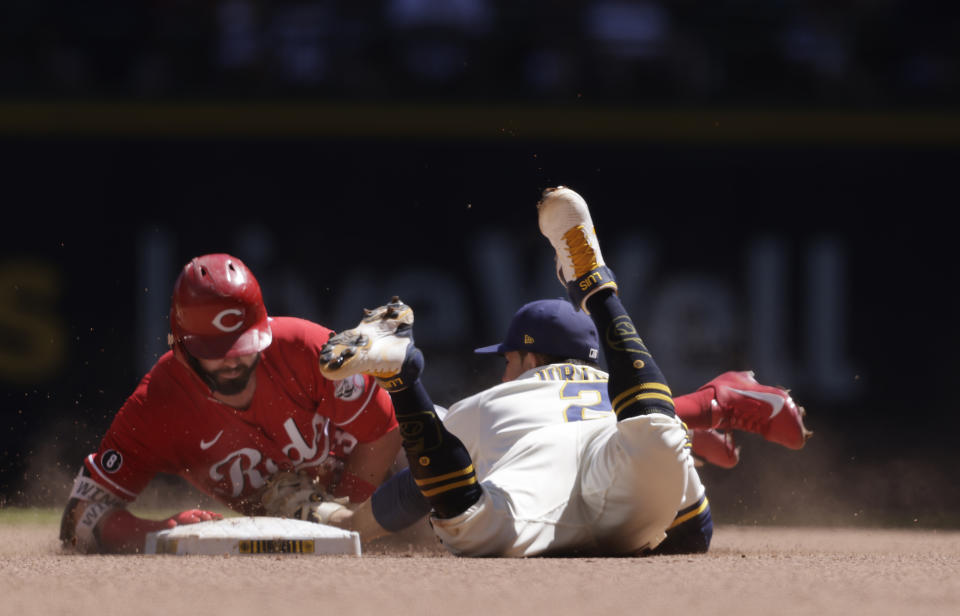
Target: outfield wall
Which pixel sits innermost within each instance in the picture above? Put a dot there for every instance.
(815, 248)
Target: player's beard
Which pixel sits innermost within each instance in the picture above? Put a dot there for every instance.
(230, 386)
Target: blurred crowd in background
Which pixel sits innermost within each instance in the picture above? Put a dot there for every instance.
(858, 53)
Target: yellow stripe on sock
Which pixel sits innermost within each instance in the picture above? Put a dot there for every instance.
(641, 386)
(429, 480)
(446, 488)
(690, 514)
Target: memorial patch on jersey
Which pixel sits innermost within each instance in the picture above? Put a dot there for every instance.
(111, 461)
(350, 388)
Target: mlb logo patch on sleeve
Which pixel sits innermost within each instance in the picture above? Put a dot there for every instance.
(350, 388)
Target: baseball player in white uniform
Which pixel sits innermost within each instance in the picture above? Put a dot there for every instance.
(561, 458)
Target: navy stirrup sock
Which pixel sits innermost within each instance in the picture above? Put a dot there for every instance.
(438, 461)
(637, 387)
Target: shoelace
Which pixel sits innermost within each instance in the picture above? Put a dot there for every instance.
(736, 419)
(708, 451)
(728, 445)
(583, 256)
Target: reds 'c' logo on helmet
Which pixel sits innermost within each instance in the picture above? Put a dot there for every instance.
(224, 317)
(217, 309)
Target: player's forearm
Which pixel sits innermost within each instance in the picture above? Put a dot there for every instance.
(361, 520)
(396, 505)
(124, 533)
(89, 528)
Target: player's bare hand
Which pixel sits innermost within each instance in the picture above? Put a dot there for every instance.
(341, 518)
(192, 516)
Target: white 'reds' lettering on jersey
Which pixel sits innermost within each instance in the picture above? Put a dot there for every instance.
(513, 409)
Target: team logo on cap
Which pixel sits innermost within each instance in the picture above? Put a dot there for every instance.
(224, 315)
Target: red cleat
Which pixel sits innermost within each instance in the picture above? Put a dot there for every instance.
(714, 447)
(741, 403)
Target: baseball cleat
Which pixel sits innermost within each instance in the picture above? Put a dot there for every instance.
(379, 346)
(565, 221)
(714, 447)
(741, 403)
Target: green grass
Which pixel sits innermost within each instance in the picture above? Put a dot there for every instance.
(51, 515)
(30, 515)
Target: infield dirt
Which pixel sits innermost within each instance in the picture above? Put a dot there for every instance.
(749, 570)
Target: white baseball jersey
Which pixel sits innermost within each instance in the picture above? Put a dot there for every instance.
(560, 475)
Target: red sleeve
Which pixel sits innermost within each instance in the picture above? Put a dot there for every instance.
(361, 407)
(126, 461)
(355, 404)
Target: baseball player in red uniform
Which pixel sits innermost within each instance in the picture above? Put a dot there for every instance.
(238, 400)
(561, 458)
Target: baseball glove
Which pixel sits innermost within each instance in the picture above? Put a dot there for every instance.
(298, 496)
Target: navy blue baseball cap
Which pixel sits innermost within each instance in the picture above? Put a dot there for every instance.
(551, 327)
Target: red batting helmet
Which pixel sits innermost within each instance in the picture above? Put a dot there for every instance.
(217, 309)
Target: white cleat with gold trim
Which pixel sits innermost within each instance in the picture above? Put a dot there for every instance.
(565, 221)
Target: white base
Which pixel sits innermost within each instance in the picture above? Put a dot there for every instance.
(253, 535)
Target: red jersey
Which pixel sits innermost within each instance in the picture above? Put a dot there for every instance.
(297, 420)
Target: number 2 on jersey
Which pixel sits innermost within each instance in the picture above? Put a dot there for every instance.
(590, 395)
